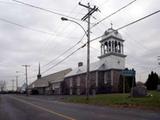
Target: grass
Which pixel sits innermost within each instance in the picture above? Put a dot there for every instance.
(151, 102)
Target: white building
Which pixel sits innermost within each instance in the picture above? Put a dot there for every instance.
(106, 73)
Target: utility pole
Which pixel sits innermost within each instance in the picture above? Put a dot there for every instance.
(26, 66)
(158, 60)
(87, 16)
(124, 84)
(12, 85)
(17, 81)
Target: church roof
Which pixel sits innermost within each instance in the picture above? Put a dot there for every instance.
(112, 33)
(93, 67)
(55, 77)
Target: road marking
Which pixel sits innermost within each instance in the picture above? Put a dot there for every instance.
(45, 109)
(43, 100)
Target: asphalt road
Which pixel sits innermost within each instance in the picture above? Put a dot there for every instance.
(17, 107)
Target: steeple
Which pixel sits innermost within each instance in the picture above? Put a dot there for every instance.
(112, 43)
(39, 72)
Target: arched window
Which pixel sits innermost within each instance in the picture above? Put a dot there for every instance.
(119, 47)
(109, 46)
(115, 46)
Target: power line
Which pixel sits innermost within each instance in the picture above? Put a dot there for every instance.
(29, 28)
(102, 35)
(139, 19)
(43, 31)
(4, 2)
(129, 24)
(22, 26)
(64, 27)
(64, 58)
(114, 13)
(137, 41)
(67, 49)
(47, 10)
(92, 27)
(64, 52)
(80, 41)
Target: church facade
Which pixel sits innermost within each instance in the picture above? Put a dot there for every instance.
(105, 74)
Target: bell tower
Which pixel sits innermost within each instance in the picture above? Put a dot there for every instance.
(112, 49)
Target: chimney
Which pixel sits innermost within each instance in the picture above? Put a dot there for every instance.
(80, 64)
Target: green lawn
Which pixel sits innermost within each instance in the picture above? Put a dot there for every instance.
(123, 100)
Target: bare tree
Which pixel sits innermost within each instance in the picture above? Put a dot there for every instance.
(2, 85)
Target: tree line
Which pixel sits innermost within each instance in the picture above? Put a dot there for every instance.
(152, 81)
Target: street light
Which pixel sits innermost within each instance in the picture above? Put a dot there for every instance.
(66, 19)
(88, 54)
(17, 80)
(158, 60)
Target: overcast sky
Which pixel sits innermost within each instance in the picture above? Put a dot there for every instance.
(48, 37)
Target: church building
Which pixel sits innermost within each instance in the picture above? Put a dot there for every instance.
(105, 74)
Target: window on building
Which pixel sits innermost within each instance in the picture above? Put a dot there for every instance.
(78, 81)
(78, 91)
(71, 92)
(105, 78)
(71, 82)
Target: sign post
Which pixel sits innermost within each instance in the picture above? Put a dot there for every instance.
(127, 72)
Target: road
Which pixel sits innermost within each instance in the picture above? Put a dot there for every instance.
(18, 107)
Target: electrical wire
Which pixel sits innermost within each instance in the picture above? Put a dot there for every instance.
(101, 36)
(119, 29)
(22, 26)
(114, 13)
(129, 24)
(64, 52)
(32, 29)
(70, 48)
(98, 38)
(63, 31)
(5, 2)
(64, 59)
(46, 10)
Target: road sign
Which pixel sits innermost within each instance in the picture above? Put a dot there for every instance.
(127, 72)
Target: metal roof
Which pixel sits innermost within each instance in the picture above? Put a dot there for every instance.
(93, 67)
(55, 77)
